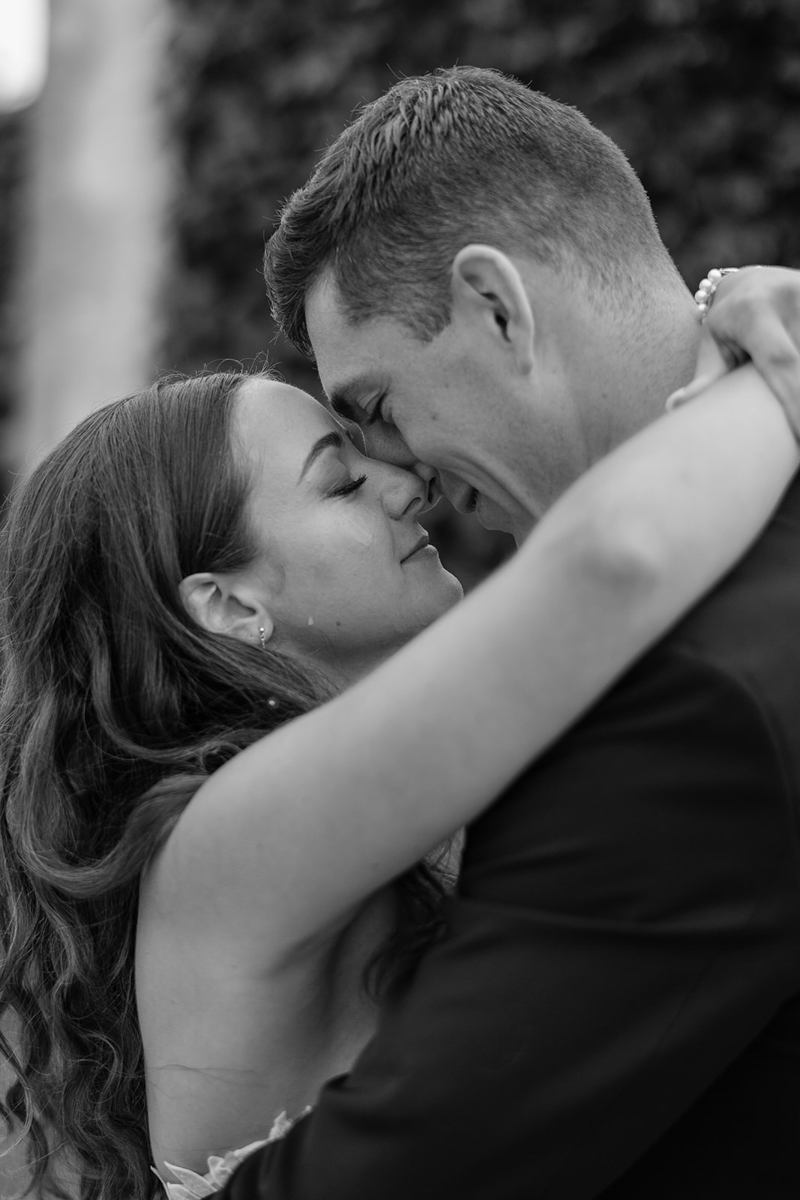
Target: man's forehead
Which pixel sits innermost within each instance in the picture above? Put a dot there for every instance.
(347, 356)
(342, 346)
(323, 310)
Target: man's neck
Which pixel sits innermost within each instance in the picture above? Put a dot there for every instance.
(621, 381)
(639, 376)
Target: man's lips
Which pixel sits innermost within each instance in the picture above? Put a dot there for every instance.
(420, 545)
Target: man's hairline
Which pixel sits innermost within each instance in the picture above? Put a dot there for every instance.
(325, 277)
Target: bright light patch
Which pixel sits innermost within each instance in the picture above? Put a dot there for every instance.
(23, 51)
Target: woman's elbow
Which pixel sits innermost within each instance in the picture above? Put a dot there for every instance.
(625, 554)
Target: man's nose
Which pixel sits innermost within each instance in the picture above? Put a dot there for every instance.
(383, 442)
(433, 487)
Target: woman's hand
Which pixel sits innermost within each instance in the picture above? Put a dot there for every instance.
(755, 315)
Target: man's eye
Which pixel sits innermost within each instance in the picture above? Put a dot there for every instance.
(377, 413)
(351, 486)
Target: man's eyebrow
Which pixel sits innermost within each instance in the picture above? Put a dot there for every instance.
(324, 443)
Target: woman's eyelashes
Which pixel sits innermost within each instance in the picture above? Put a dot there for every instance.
(346, 489)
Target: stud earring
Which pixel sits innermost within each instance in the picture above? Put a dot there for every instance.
(262, 637)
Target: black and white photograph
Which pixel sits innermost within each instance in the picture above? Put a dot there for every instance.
(400, 600)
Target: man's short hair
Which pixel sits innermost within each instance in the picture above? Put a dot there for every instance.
(458, 156)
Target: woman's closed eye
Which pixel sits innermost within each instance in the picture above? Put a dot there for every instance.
(346, 489)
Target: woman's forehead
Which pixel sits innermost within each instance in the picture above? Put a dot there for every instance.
(278, 423)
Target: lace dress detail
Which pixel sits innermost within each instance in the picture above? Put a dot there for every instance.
(196, 1187)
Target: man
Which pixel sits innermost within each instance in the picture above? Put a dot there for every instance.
(615, 1009)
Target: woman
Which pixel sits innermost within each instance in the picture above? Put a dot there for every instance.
(204, 564)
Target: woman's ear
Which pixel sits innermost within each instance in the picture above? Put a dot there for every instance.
(487, 284)
(218, 605)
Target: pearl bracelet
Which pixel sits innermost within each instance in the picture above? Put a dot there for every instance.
(708, 286)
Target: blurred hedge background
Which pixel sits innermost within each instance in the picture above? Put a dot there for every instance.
(703, 95)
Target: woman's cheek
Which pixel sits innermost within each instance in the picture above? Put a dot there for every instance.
(360, 528)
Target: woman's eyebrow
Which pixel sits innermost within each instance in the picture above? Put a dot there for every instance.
(327, 441)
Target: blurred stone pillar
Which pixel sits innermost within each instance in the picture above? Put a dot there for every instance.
(97, 225)
(95, 241)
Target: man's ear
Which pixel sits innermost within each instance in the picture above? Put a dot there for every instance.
(486, 284)
(220, 606)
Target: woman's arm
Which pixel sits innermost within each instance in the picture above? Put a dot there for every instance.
(285, 838)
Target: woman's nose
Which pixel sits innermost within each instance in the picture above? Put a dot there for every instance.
(402, 492)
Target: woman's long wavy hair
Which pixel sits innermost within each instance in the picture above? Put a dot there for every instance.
(114, 708)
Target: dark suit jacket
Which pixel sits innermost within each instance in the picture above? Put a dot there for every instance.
(615, 1010)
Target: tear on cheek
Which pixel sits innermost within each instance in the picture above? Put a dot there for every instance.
(361, 533)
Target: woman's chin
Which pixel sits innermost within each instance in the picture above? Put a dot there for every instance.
(449, 592)
(456, 590)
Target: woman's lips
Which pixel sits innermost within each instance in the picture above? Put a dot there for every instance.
(422, 544)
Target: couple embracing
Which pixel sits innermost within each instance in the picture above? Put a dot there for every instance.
(244, 716)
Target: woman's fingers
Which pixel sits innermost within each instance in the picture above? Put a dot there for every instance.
(755, 314)
(778, 360)
(757, 311)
